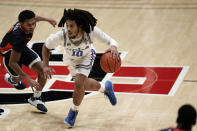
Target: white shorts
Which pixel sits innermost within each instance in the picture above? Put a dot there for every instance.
(81, 66)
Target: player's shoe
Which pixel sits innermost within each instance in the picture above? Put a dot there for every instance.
(1, 110)
(18, 85)
(37, 102)
(70, 119)
(109, 92)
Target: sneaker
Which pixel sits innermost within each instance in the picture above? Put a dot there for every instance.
(109, 92)
(37, 102)
(1, 110)
(18, 85)
(70, 119)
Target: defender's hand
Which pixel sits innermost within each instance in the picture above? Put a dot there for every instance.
(48, 72)
(34, 84)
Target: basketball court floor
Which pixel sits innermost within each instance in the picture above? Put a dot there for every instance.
(157, 43)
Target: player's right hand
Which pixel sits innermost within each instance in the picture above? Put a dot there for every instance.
(114, 52)
(48, 71)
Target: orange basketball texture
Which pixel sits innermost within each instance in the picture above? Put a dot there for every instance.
(108, 64)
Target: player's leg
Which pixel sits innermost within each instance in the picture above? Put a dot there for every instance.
(78, 96)
(11, 77)
(79, 71)
(32, 60)
(38, 68)
(36, 99)
(92, 84)
(106, 88)
(79, 89)
(82, 82)
(79, 79)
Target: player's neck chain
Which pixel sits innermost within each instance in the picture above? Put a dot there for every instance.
(76, 43)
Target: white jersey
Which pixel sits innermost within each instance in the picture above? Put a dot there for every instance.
(78, 49)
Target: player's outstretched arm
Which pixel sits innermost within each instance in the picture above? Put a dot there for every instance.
(45, 55)
(46, 69)
(51, 21)
(51, 42)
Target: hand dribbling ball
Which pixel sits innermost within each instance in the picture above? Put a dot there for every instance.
(108, 64)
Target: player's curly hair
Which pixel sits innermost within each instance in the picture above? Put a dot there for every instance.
(82, 18)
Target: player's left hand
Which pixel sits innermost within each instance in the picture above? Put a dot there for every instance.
(114, 51)
(52, 22)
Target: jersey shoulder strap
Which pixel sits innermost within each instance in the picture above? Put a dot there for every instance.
(64, 33)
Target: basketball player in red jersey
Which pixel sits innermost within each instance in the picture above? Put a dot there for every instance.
(79, 54)
(14, 53)
(185, 120)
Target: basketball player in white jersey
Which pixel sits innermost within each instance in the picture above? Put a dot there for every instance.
(79, 54)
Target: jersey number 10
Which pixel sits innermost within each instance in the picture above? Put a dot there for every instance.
(77, 52)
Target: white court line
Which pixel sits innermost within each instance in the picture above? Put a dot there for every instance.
(140, 80)
(178, 80)
(170, 66)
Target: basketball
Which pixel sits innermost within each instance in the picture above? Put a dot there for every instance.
(108, 64)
